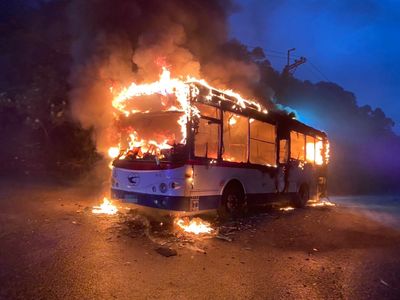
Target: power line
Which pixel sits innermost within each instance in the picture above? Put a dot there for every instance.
(315, 75)
(318, 70)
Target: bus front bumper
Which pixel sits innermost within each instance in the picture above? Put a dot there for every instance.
(167, 205)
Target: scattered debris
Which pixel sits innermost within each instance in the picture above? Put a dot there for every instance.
(287, 208)
(384, 283)
(134, 225)
(167, 236)
(322, 203)
(223, 237)
(166, 251)
(194, 248)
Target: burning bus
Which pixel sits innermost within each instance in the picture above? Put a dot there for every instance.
(187, 148)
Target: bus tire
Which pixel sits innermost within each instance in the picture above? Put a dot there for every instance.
(233, 204)
(302, 196)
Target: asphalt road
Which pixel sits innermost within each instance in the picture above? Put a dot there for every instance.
(53, 247)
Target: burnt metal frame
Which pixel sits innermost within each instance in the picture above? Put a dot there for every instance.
(231, 105)
(282, 121)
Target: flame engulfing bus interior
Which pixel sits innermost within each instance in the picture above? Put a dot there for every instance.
(153, 124)
(170, 133)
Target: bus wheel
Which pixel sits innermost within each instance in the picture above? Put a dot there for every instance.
(233, 203)
(302, 196)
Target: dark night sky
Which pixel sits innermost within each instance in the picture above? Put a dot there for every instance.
(355, 43)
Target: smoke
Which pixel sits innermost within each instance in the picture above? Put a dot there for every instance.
(115, 43)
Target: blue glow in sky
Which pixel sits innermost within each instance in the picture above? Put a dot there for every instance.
(355, 43)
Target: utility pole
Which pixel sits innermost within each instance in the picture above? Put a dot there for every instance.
(288, 55)
(291, 68)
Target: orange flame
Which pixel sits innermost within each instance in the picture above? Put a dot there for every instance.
(113, 152)
(287, 208)
(196, 226)
(105, 208)
(319, 159)
(327, 151)
(183, 91)
(321, 203)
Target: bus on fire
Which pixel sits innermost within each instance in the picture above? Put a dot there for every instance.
(218, 154)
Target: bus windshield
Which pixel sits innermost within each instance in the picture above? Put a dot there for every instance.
(152, 136)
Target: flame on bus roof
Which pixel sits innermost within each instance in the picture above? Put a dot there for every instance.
(183, 90)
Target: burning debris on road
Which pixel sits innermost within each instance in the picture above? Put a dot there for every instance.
(287, 208)
(322, 203)
(310, 203)
(195, 225)
(105, 208)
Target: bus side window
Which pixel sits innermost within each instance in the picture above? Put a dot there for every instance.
(283, 151)
(262, 143)
(297, 145)
(310, 149)
(206, 139)
(319, 148)
(235, 137)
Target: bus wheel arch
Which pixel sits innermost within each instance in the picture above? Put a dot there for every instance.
(233, 200)
(302, 196)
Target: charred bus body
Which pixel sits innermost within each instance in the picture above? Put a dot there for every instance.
(233, 156)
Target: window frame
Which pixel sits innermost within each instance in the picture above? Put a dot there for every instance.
(223, 111)
(291, 145)
(274, 143)
(220, 121)
(286, 155)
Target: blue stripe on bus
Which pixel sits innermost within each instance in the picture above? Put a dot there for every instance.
(175, 203)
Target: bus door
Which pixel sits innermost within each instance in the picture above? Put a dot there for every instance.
(206, 133)
(282, 173)
(281, 179)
